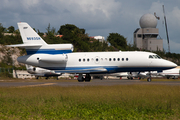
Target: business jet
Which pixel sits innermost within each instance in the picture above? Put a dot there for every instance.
(40, 72)
(62, 59)
(173, 73)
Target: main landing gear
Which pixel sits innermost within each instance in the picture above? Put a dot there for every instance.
(87, 78)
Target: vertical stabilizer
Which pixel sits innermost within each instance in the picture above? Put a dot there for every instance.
(34, 44)
(29, 36)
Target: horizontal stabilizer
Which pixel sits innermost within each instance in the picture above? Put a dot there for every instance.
(25, 45)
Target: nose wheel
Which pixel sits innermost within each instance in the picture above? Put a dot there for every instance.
(149, 78)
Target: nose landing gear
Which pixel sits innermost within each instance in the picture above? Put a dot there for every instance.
(149, 78)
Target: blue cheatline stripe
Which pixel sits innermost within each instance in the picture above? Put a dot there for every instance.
(46, 51)
(110, 69)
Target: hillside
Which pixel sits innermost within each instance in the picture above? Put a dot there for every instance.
(8, 56)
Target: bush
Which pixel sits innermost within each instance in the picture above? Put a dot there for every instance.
(6, 74)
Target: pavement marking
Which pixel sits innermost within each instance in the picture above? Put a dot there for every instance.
(45, 84)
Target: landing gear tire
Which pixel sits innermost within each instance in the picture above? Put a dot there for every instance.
(87, 78)
(81, 78)
(149, 79)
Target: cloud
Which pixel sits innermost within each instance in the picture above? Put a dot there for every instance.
(98, 17)
(174, 16)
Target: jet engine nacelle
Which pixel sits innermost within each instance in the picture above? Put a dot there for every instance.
(35, 59)
(53, 58)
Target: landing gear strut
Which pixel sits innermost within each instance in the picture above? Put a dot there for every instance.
(82, 79)
(149, 78)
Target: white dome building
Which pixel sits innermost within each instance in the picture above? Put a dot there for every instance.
(148, 21)
(146, 37)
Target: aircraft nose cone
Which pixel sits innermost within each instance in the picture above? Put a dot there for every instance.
(171, 64)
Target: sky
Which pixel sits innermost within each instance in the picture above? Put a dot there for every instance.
(97, 17)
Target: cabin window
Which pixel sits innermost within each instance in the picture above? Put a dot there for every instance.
(101, 58)
(122, 59)
(109, 59)
(79, 60)
(114, 59)
(84, 60)
(126, 59)
(118, 59)
(88, 59)
(96, 59)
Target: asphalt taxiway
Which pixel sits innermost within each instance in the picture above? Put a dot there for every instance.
(94, 82)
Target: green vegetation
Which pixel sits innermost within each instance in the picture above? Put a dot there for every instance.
(91, 102)
(117, 40)
(6, 72)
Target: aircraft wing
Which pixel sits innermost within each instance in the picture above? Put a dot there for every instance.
(92, 70)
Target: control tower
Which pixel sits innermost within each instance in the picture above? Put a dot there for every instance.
(147, 37)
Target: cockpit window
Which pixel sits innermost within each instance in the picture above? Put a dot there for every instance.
(158, 56)
(154, 56)
(150, 56)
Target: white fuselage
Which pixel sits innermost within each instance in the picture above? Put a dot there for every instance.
(111, 61)
(170, 72)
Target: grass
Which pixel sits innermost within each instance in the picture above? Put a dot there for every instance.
(91, 102)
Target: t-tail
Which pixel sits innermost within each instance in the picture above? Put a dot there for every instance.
(34, 44)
